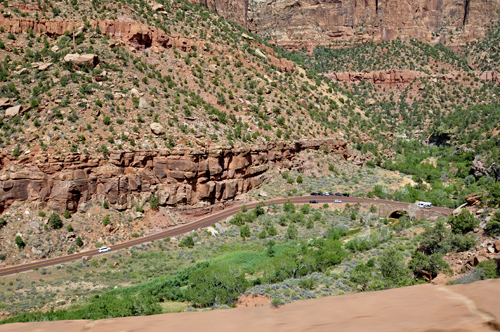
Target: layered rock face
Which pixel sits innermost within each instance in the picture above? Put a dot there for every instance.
(134, 34)
(402, 77)
(179, 177)
(295, 24)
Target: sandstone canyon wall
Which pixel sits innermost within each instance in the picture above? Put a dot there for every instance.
(295, 24)
(179, 177)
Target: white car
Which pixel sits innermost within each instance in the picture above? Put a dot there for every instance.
(337, 201)
(104, 249)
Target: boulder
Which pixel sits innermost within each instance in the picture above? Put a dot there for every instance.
(82, 59)
(157, 129)
(497, 245)
(259, 53)
(134, 92)
(143, 103)
(5, 102)
(157, 7)
(13, 111)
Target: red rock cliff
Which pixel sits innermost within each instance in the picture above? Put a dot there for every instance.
(179, 177)
(306, 23)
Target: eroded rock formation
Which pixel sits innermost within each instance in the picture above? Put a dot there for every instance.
(402, 77)
(187, 177)
(306, 23)
(135, 34)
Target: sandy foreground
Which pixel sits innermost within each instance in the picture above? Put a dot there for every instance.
(428, 307)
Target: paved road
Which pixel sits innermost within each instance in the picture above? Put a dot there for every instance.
(203, 222)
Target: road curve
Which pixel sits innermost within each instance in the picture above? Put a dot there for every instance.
(201, 223)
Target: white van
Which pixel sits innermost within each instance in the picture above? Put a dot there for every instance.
(425, 205)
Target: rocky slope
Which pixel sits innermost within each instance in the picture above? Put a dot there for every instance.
(193, 177)
(297, 24)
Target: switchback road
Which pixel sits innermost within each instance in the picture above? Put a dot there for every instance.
(201, 223)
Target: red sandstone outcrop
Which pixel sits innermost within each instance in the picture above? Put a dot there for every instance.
(138, 35)
(377, 77)
(178, 177)
(395, 77)
(296, 24)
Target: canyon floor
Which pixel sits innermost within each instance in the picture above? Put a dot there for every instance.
(419, 308)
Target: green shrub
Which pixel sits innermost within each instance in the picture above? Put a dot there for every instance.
(187, 242)
(490, 268)
(262, 235)
(493, 226)
(105, 205)
(292, 232)
(245, 231)
(67, 214)
(55, 221)
(79, 241)
(463, 223)
(272, 231)
(106, 221)
(216, 285)
(69, 228)
(19, 242)
(153, 202)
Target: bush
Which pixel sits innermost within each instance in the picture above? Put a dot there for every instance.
(67, 214)
(463, 223)
(288, 206)
(55, 221)
(244, 208)
(153, 203)
(493, 226)
(245, 231)
(69, 228)
(422, 265)
(299, 179)
(19, 242)
(105, 205)
(393, 268)
(106, 221)
(41, 214)
(262, 235)
(216, 285)
(187, 242)
(292, 233)
(3, 223)
(272, 231)
(490, 269)
(79, 241)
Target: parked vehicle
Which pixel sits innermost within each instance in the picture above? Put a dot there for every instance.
(345, 194)
(337, 201)
(425, 205)
(104, 249)
(314, 194)
(338, 194)
(313, 202)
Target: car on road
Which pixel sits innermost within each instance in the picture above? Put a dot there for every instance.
(104, 249)
(313, 202)
(337, 201)
(314, 194)
(345, 194)
(326, 194)
(338, 194)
